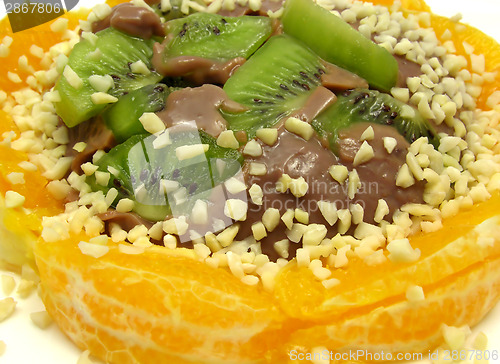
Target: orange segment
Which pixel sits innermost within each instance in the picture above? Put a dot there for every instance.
(156, 307)
(399, 327)
(451, 250)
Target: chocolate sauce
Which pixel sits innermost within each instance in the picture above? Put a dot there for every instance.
(196, 70)
(200, 106)
(134, 20)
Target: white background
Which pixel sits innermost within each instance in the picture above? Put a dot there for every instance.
(27, 344)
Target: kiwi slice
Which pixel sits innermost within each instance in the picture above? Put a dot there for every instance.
(337, 42)
(123, 116)
(111, 53)
(215, 37)
(362, 105)
(145, 174)
(273, 83)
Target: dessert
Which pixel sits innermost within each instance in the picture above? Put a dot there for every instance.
(326, 269)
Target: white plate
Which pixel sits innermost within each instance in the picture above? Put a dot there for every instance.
(28, 344)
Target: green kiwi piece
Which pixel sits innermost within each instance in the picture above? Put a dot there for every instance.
(123, 116)
(137, 170)
(174, 10)
(362, 105)
(215, 37)
(273, 83)
(337, 42)
(112, 53)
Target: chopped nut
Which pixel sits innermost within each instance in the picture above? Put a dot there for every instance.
(283, 183)
(299, 127)
(100, 98)
(301, 216)
(41, 319)
(199, 214)
(170, 241)
(256, 194)
(281, 247)
(339, 173)
(101, 83)
(364, 154)
(236, 209)
(139, 67)
(354, 184)
(314, 234)
(402, 252)
(190, 151)
(344, 216)
(93, 250)
(267, 135)
(415, 294)
(455, 337)
(7, 306)
(302, 257)
(271, 218)
(389, 144)
(152, 123)
(234, 185)
(253, 149)
(296, 233)
(8, 284)
(13, 199)
(226, 237)
(330, 283)
(257, 169)
(72, 77)
(298, 187)
(259, 231)
(404, 178)
(381, 211)
(176, 226)
(287, 218)
(368, 134)
(329, 211)
(226, 139)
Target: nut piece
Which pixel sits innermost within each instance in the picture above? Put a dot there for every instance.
(259, 231)
(339, 173)
(381, 211)
(329, 211)
(287, 218)
(267, 135)
(190, 151)
(364, 154)
(314, 234)
(404, 178)
(271, 218)
(234, 185)
(281, 247)
(152, 123)
(368, 134)
(236, 209)
(299, 127)
(253, 149)
(402, 252)
(415, 294)
(7, 306)
(199, 214)
(257, 169)
(389, 144)
(256, 194)
(226, 237)
(226, 139)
